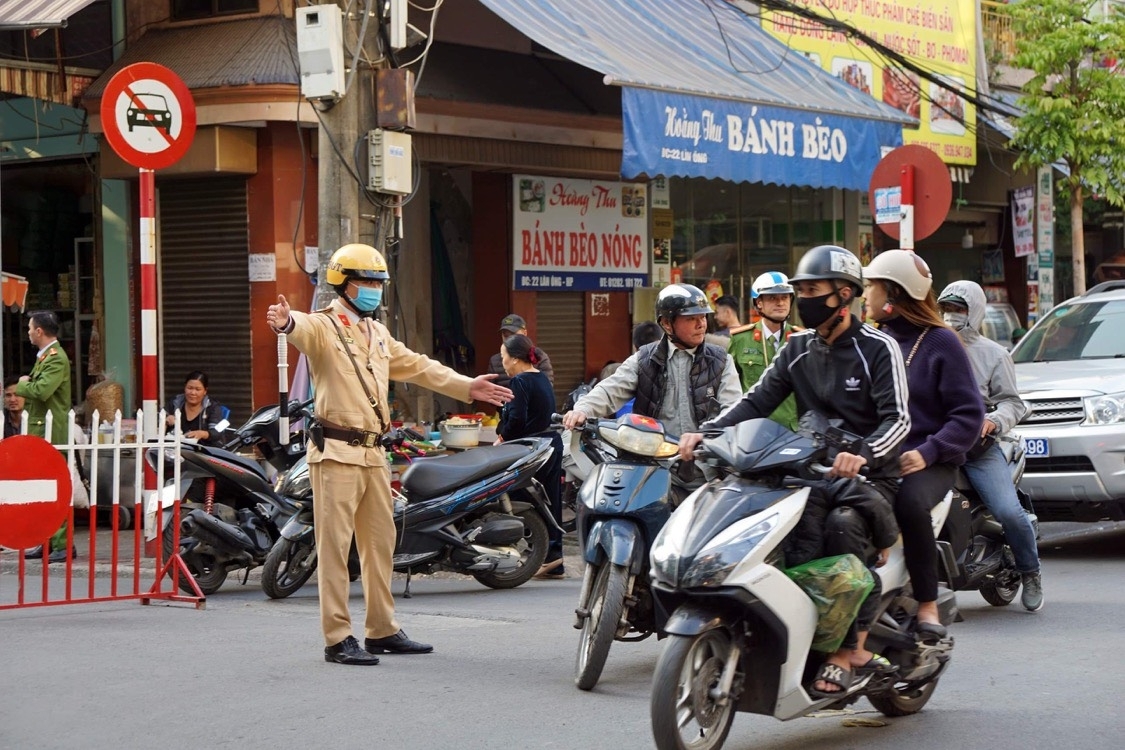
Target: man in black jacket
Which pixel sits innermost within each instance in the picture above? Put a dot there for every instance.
(842, 369)
(512, 324)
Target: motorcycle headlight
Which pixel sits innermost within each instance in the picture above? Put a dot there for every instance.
(667, 548)
(730, 547)
(1107, 409)
(640, 442)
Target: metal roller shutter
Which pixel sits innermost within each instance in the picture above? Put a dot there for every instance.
(205, 289)
(560, 331)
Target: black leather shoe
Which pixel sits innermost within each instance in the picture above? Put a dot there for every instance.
(59, 555)
(35, 553)
(396, 644)
(348, 651)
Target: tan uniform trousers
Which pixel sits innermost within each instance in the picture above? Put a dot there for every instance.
(346, 497)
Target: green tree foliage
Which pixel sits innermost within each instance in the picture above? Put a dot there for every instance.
(1075, 102)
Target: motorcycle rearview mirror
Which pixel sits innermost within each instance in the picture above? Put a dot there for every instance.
(222, 426)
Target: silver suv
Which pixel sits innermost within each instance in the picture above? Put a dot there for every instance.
(1071, 372)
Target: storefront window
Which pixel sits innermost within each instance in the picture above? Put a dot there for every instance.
(727, 234)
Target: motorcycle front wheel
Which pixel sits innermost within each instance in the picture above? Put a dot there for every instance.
(208, 574)
(606, 604)
(533, 551)
(684, 712)
(289, 565)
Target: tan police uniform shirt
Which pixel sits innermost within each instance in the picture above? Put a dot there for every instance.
(340, 398)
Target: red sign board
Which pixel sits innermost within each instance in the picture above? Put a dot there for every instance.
(35, 491)
(148, 115)
(933, 190)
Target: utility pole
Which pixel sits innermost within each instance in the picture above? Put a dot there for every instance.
(341, 124)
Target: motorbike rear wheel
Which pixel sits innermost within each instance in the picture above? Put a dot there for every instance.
(209, 579)
(287, 567)
(1002, 590)
(684, 714)
(903, 700)
(534, 552)
(606, 604)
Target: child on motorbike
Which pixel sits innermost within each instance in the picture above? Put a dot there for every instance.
(845, 370)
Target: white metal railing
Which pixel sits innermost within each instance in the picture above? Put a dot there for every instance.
(112, 446)
(109, 448)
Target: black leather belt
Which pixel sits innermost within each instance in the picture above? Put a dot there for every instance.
(350, 435)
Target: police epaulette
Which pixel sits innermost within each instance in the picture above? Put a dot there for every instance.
(742, 329)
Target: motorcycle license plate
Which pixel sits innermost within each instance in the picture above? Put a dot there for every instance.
(1036, 447)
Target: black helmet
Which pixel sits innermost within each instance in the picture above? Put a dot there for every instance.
(829, 262)
(681, 299)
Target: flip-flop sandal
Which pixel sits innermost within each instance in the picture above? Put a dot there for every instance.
(833, 675)
(875, 665)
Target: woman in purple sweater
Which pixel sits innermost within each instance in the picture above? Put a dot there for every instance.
(945, 411)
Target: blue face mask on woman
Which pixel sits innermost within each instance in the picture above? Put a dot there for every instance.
(367, 299)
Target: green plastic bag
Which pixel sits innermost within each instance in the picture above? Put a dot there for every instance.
(837, 585)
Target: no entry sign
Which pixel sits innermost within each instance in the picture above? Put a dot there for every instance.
(148, 115)
(35, 491)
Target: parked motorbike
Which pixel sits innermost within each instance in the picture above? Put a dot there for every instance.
(624, 502)
(230, 515)
(973, 553)
(739, 630)
(480, 512)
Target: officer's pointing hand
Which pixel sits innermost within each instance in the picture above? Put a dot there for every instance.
(278, 315)
(483, 389)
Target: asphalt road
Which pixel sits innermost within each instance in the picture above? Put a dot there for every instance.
(247, 672)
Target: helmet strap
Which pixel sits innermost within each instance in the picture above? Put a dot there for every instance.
(838, 317)
(671, 334)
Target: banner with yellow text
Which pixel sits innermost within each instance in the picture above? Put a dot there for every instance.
(937, 35)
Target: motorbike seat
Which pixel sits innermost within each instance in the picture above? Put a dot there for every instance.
(438, 476)
(231, 457)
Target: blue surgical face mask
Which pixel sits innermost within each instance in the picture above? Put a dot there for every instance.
(367, 299)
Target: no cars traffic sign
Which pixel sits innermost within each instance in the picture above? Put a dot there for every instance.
(148, 115)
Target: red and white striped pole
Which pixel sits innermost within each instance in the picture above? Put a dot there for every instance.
(906, 222)
(149, 367)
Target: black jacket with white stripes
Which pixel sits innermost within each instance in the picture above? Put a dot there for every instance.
(859, 379)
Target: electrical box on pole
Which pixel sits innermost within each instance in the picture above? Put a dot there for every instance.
(320, 50)
(390, 162)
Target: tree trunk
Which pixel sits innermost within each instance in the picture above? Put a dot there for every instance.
(1077, 241)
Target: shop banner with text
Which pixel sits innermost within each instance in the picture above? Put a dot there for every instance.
(689, 136)
(937, 35)
(579, 235)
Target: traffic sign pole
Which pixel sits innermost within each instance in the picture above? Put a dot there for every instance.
(148, 117)
(149, 349)
(906, 223)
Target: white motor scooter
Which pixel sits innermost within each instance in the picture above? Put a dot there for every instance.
(739, 630)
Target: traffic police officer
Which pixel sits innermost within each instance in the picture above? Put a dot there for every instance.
(755, 345)
(351, 359)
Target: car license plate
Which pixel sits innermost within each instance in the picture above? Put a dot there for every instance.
(1036, 447)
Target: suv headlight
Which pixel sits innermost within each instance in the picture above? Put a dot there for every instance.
(1107, 409)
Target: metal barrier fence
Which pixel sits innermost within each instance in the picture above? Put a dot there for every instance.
(89, 458)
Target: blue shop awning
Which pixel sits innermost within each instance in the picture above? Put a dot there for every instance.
(708, 93)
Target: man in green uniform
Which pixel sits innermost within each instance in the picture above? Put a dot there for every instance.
(754, 345)
(47, 389)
